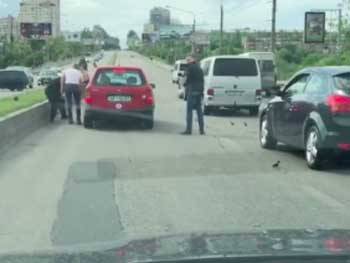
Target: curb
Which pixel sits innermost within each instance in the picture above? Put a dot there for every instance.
(20, 124)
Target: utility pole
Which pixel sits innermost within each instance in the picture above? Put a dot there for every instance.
(340, 28)
(221, 28)
(273, 31)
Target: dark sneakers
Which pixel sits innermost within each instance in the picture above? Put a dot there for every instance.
(186, 133)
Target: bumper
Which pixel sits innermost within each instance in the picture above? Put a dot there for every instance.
(111, 114)
(212, 102)
(337, 140)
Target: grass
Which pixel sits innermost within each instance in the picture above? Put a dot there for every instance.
(31, 97)
(25, 100)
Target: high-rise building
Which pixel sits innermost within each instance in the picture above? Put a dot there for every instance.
(159, 16)
(39, 15)
(8, 28)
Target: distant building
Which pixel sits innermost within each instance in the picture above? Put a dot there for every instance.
(148, 28)
(8, 28)
(72, 36)
(39, 18)
(159, 16)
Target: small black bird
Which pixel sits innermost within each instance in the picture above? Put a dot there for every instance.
(232, 123)
(245, 124)
(277, 164)
(15, 98)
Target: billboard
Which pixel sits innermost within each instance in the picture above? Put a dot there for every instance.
(36, 30)
(315, 27)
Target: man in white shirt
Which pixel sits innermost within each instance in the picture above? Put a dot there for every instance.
(70, 85)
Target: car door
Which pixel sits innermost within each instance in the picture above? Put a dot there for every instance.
(287, 111)
(315, 91)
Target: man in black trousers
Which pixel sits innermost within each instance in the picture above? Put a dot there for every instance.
(54, 95)
(194, 90)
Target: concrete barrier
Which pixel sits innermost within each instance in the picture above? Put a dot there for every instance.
(20, 124)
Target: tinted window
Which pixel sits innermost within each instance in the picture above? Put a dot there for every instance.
(267, 66)
(183, 67)
(235, 67)
(297, 85)
(318, 85)
(119, 77)
(13, 75)
(342, 82)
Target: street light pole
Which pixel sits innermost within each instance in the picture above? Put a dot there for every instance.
(221, 28)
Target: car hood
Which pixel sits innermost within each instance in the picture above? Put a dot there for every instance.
(202, 245)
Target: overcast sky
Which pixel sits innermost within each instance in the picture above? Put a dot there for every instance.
(118, 16)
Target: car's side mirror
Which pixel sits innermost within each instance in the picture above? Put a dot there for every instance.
(153, 86)
(180, 75)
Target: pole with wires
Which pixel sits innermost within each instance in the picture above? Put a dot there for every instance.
(221, 28)
(273, 31)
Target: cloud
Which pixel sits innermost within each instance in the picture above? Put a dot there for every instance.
(3, 4)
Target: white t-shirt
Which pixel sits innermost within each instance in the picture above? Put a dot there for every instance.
(72, 76)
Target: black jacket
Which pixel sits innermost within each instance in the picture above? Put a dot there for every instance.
(53, 91)
(195, 80)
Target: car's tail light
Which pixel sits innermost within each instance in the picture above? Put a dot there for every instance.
(210, 92)
(258, 93)
(344, 146)
(149, 100)
(88, 98)
(338, 103)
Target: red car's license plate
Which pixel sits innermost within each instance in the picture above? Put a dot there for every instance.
(119, 98)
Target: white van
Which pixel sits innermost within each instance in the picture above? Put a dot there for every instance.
(178, 72)
(267, 64)
(231, 82)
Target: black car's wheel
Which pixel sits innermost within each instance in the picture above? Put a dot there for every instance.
(314, 155)
(31, 86)
(254, 111)
(267, 140)
(88, 122)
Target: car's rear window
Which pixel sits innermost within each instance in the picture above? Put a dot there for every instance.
(342, 82)
(12, 75)
(235, 67)
(267, 66)
(119, 77)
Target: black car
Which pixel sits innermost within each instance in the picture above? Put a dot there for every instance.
(312, 112)
(13, 80)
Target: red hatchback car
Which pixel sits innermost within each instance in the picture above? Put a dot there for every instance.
(115, 92)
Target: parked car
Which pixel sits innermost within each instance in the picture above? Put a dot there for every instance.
(178, 72)
(119, 92)
(13, 80)
(231, 82)
(46, 76)
(27, 71)
(312, 113)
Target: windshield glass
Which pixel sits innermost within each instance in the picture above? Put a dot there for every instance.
(235, 67)
(174, 130)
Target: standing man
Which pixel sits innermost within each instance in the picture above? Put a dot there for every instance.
(194, 89)
(71, 82)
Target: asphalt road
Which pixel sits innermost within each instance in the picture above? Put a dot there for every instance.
(65, 185)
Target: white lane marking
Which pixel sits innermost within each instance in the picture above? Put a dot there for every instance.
(323, 197)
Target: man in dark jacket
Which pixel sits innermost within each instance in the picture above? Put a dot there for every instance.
(54, 95)
(194, 92)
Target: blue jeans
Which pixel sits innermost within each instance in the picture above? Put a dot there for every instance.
(194, 102)
(73, 94)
